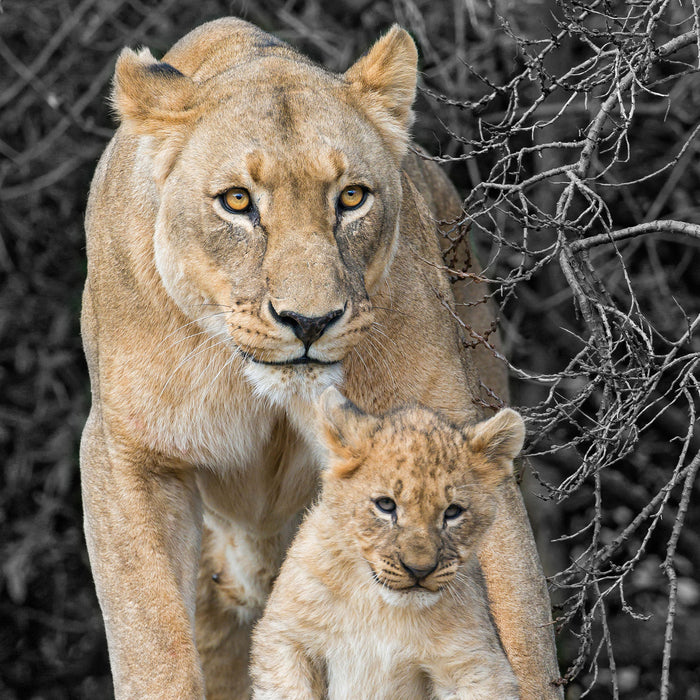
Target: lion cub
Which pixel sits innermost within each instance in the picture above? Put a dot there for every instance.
(381, 594)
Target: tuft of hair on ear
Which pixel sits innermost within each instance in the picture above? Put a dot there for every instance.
(153, 98)
(341, 429)
(499, 439)
(385, 80)
(150, 96)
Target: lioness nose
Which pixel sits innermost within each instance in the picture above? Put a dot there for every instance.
(419, 571)
(307, 328)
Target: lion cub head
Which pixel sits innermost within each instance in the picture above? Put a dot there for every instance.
(414, 492)
(277, 186)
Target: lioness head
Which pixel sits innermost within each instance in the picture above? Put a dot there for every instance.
(415, 492)
(278, 188)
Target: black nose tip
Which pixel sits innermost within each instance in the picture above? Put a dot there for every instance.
(307, 328)
(419, 571)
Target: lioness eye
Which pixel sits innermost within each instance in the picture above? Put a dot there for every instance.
(453, 511)
(385, 504)
(236, 200)
(352, 197)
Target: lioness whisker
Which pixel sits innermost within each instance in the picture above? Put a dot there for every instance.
(234, 355)
(198, 350)
(375, 344)
(189, 323)
(187, 337)
(359, 355)
(226, 341)
(395, 311)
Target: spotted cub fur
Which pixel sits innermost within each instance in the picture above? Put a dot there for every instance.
(381, 595)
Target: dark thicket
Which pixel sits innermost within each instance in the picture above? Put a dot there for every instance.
(571, 129)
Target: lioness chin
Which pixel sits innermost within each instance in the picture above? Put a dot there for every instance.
(256, 231)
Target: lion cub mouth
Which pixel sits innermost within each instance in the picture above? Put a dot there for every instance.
(412, 596)
(416, 587)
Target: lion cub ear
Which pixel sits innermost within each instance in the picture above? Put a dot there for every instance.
(385, 78)
(498, 439)
(154, 99)
(343, 431)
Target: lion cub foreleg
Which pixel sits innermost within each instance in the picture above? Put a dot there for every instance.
(285, 671)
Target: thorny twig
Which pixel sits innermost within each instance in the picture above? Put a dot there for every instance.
(548, 180)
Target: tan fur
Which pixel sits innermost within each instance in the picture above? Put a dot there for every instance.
(391, 605)
(196, 458)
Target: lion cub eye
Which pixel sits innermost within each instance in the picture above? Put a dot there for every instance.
(236, 200)
(352, 197)
(385, 505)
(453, 511)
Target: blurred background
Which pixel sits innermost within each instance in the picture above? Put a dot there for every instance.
(571, 131)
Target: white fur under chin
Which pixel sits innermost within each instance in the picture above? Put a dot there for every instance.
(295, 389)
(284, 386)
(408, 599)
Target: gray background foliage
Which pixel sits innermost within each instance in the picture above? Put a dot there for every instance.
(570, 129)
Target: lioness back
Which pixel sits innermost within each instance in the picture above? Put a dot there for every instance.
(381, 594)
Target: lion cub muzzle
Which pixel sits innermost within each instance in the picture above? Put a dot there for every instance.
(419, 572)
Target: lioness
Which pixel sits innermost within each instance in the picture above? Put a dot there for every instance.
(381, 589)
(256, 232)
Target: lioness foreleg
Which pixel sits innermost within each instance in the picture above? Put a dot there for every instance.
(519, 599)
(236, 573)
(142, 525)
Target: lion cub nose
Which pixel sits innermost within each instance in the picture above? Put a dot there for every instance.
(419, 571)
(307, 328)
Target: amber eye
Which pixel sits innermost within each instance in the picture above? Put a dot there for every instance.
(352, 197)
(235, 200)
(453, 511)
(385, 504)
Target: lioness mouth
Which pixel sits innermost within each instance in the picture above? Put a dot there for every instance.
(303, 360)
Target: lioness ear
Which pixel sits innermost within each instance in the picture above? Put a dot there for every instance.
(154, 99)
(385, 78)
(342, 426)
(500, 438)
